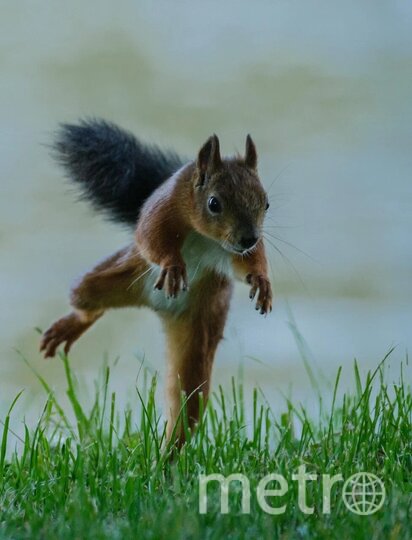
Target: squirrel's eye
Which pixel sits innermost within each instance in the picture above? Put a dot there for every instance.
(214, 205)
(267, 206)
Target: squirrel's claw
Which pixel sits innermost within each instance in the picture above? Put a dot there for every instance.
(161, 279)
(66, 330)
(264, 300)
(173, 279)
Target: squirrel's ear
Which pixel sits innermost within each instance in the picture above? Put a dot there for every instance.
(209, 158)
(251, 154)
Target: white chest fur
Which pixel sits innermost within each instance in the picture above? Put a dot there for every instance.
(200, 255)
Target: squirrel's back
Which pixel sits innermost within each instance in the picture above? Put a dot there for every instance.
(114, 170)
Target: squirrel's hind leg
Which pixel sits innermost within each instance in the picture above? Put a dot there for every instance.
(113, 283)
(192, 339)
(67, 330)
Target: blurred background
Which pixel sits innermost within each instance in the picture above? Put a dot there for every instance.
(325, 89)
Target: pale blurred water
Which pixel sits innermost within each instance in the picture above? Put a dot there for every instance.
(326, 92)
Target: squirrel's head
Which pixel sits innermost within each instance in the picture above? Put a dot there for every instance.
(229, 198)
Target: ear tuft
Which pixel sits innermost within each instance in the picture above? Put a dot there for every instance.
(251, 153)
(208, 159)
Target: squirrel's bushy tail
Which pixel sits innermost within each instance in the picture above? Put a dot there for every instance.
(114, 170)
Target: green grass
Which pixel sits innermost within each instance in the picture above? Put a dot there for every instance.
(110, 474)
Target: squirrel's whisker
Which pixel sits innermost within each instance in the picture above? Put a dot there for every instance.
(291, 245)
(150, 269)
(287, 261)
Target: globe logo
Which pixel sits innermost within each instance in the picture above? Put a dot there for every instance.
(363, 493)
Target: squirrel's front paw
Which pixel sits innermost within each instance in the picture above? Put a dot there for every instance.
(173, 279)
(264, 300)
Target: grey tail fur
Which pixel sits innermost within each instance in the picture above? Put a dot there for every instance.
(115, 171)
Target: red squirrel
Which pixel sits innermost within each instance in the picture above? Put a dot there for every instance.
(198, 225)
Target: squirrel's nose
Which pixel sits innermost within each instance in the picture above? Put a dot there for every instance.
(248, 241)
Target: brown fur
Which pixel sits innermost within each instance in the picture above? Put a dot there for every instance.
(192, 341)
(175, 210)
